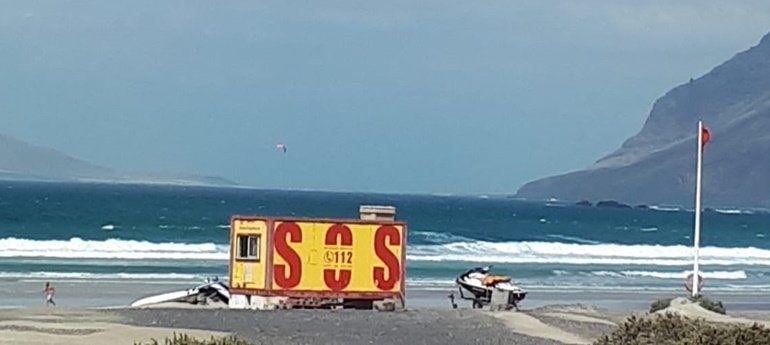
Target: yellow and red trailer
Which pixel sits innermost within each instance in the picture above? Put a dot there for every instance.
(281, 262)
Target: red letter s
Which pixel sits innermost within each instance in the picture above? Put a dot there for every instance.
(288, 254)
(390, 260)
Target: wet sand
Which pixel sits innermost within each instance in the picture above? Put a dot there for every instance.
(94, 293)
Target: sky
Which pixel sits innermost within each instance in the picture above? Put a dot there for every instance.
(389, 96)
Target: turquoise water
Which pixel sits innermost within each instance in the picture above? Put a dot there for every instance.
(90, 232)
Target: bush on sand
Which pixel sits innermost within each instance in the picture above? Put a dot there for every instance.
(673, 329)
(184, 339)
(704, 302)
(660, 304)
(709, 304)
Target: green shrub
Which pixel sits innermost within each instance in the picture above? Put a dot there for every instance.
(708, 304)
(660, 304)
(184, 339)
(672, 329)
(704, 302)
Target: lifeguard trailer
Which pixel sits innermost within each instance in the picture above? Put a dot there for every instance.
(284, 262)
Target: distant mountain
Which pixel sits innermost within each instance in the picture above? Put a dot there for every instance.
(658, 164)
(22, 161)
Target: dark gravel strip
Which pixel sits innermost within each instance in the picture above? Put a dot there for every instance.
(338, 327)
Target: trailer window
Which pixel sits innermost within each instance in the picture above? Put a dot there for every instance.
(248, 247)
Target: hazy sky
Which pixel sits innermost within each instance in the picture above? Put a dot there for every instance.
(395, 96)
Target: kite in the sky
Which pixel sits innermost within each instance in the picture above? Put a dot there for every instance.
(281, 147)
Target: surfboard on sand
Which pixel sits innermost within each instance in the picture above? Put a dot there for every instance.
(208, 289)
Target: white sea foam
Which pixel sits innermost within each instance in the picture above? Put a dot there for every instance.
(718, 275)
(110, 249)
(732, 211)
(439, 237)
(573, 239)
(427, 282)
(583, 254)
(430, 284)
(748, 289)
(464, 251)
(665, 208)
(99, 276)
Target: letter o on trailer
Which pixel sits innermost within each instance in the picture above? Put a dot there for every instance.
(299, 262)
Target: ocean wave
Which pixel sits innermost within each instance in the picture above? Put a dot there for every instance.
(718, 275)
(664, 208)
(110, 249)
(584, 254)
(463, 251)
(437, 237)
(100, 276)
(427, 282)
(572, 239)
(732, 211)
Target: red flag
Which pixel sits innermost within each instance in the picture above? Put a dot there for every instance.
(705, 136)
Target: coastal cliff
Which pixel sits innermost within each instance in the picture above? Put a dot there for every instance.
(22, 161)
(657, 165)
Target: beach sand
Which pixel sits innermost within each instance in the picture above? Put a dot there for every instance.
(423, 326)
(99, 293)
(547, 317)
(66, 326)
(556, 324)
(546, 325)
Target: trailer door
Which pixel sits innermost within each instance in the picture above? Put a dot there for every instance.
(248, 248)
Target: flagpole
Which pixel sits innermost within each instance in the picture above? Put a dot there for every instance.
(696, 245)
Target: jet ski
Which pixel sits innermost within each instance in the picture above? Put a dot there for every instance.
(483, 288)
(212, 290)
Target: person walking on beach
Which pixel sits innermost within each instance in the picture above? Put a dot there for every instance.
(49, 292)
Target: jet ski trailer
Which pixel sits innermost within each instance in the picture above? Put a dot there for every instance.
(484, 289)
(212, 292)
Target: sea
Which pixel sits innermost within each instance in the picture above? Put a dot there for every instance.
(84, 233)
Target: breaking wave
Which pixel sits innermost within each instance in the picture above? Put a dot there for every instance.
(664, 208)
(465, 250)
(732, 211)
(110, 249)
(432, 237)
(718, 275)
(100, 276)
(572, 239)
(584, 254)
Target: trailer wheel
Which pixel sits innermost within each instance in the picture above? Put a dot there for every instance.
(477, 305)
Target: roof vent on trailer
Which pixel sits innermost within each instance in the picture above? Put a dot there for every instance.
(377, 212)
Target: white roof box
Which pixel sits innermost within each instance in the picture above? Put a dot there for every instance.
(377, 212)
